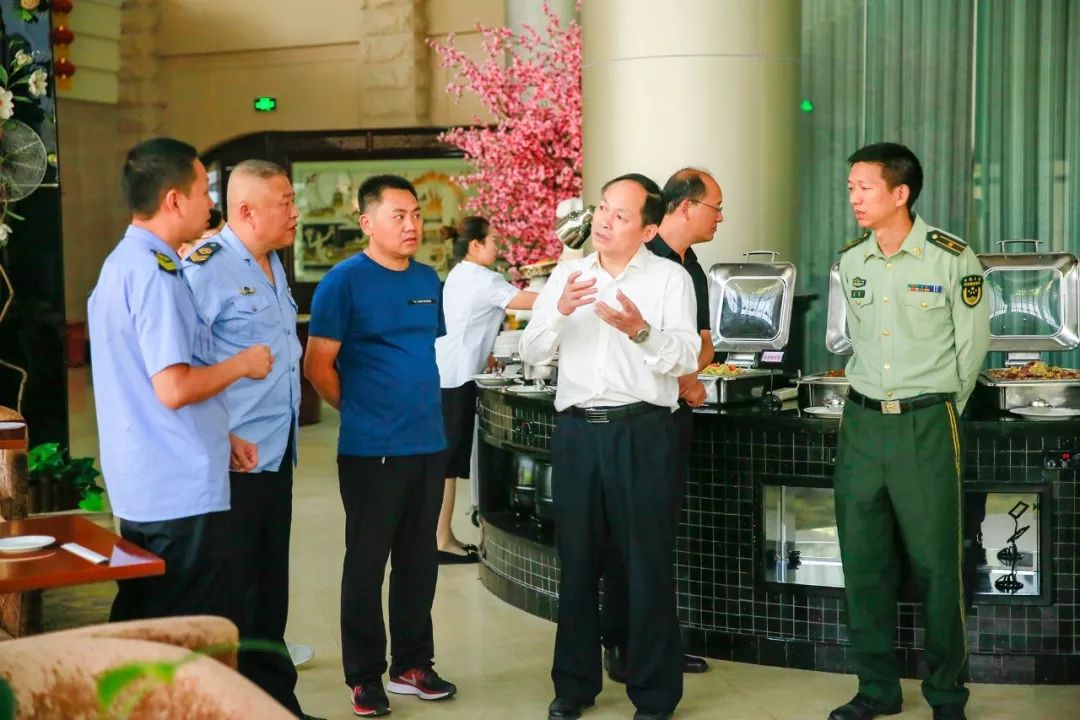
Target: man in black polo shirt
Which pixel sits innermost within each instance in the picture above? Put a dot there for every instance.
(694, 207)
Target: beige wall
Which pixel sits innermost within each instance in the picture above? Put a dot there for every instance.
(348, 64)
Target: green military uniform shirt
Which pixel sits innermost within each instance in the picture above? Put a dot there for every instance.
(918, 321)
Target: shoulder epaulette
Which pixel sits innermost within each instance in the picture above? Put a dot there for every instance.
(949, 243)
(862, 238)
(165, 262)
(204, 252)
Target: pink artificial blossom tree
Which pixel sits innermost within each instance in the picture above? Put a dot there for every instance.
(530, 160)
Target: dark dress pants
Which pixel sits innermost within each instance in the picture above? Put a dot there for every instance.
(199, 565)
(391, 510)
(262, 521)
(614, 485)
(613, 611)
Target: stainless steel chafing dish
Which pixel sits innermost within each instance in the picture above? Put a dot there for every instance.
(750, 313)
(821, 389)
(1033, 309)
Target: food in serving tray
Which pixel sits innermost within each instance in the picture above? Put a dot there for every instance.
(722, 370)
(1034, 370)
(834, 373)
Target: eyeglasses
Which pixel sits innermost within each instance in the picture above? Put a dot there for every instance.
(718, 210)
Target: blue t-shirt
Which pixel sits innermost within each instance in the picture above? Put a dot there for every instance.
(386, 321)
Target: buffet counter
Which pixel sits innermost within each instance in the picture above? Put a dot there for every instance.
(757, 562)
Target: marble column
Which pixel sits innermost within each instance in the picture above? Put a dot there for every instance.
(708, 83)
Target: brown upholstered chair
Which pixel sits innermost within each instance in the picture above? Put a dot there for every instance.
(55, 675)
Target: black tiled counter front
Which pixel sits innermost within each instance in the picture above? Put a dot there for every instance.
(729, 606)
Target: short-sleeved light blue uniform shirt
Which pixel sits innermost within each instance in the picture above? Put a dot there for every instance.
(243, 308)
(159, 464)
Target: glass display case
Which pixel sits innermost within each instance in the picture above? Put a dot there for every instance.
(328, 229)
(1005, 538)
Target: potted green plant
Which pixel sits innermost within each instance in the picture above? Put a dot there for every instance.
(59, 482)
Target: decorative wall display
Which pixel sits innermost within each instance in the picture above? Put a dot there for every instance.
(329, 231)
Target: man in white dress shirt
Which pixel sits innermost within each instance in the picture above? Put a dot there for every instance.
(613, 449)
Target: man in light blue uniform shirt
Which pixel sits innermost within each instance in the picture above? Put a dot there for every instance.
(242, 294)
(163, 428)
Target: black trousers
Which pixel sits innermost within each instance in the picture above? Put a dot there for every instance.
(391, 510)
(262, 522)
(613, 486)
(613, 613)
(459, 420)
(199, 566)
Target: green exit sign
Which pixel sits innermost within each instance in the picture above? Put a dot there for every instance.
(265, 104)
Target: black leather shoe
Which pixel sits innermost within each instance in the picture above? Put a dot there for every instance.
(562, 708)
(862, 707)
(642, 715)
(949, 712)
(694, 664)
(615, 664)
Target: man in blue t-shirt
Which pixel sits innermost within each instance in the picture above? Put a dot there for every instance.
(371, 354)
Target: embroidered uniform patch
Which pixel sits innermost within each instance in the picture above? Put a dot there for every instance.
(856, 294)
(973, 289)
(165, 262)
(204, 252)
(247, 290)
(858, 282)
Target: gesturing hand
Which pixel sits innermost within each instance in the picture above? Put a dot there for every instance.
(575, 294)
(629, 320)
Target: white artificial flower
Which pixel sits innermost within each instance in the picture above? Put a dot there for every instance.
(5, 233)
(39, 82)
(22, 58)
(7, 103)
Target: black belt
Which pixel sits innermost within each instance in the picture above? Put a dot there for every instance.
(896, 407)
(618, 412)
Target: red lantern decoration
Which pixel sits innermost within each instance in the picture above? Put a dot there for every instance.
(62, 37)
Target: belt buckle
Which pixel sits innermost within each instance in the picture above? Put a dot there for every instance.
(597, 415)
(890, 407)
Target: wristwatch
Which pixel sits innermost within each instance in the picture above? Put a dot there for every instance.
(641, 335)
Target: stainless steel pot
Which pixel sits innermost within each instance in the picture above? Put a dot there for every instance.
(573, 230)
(821, 391)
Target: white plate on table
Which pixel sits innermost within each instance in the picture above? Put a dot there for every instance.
(530, 390)
(25, 543)
(1045, 413)
(834, 412)
(8, 425)
(494, 380)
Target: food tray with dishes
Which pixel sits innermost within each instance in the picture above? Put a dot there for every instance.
(1033, 307)
(726, 383)
(824, 389)
(1034, 383)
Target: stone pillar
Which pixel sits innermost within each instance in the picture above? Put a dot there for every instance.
(394, 73)
(708, 83)
(142, 96)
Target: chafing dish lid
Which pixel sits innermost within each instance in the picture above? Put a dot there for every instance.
(1033, 300)
(750, 305)
(837, 340)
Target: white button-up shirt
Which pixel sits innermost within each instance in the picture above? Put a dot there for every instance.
(601, 366)
(474, 301)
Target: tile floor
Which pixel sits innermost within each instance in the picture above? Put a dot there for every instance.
(500, 656)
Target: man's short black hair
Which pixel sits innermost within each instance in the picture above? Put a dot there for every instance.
(153, 168)
(899, 166)
(685, 184)
(371, 190)
(652, 211)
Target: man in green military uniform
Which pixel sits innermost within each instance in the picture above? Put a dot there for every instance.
(920, 330)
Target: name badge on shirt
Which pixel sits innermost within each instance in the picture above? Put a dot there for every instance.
(247, 290)
(422, 301)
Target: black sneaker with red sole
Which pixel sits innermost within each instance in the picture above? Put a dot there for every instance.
(423, 682)
(369, 700)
